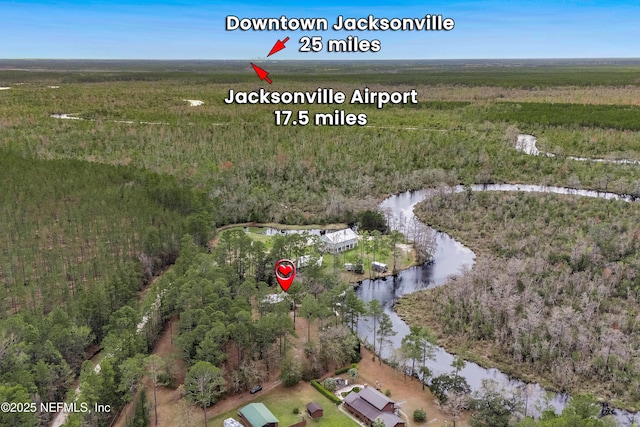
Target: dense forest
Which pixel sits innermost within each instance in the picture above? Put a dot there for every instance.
(67, 223)
(79, 241)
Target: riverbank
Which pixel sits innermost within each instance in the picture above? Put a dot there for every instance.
(405, 390)
(549, 299)
(420, 309)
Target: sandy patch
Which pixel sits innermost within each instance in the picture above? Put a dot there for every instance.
(4, 88)
(72, 116)
(405, 391)
(66, 116)
(527, 144)
(404, 247)
(194, 102)
(61, 417)
(153, 123)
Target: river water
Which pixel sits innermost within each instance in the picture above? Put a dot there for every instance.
(452, 258)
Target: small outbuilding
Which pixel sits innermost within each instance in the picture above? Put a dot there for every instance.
(314, 410)
(306, 260)
(356, 268)
(379, 266)
(341, 383)
(257, 415)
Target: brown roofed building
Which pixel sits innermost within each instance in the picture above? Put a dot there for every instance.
(369, 404)
(391, 420)
(315, 410)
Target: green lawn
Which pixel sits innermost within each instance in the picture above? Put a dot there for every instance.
(282, 401)
(257, 234)
(383, 253)
(403, 259)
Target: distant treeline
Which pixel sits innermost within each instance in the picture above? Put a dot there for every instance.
(525, 74)
(624, 117)
(440, 105)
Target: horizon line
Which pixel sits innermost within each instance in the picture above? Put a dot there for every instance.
(325, 59)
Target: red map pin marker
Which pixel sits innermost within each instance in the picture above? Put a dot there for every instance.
(262, 74)
(278, 46)
(285, 271)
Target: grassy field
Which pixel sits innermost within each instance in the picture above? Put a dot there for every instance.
(404, 259)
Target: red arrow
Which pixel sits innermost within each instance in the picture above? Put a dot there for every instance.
(262, 74)
(278, 46)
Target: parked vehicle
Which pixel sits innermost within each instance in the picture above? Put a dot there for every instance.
(379, 266)
(356, 268)
(231, 422)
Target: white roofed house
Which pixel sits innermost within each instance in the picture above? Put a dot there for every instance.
(339, 241)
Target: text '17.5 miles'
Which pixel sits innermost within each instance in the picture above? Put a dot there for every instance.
(303, 118)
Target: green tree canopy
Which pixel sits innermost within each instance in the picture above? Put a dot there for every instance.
(204, 383)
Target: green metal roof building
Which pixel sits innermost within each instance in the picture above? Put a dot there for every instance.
(257, 415)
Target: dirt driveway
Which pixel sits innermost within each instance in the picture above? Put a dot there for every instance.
(405, 391)
(172, 406)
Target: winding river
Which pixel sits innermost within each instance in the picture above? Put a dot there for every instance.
(452, 258)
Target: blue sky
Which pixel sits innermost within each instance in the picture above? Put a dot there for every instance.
(196, 30)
